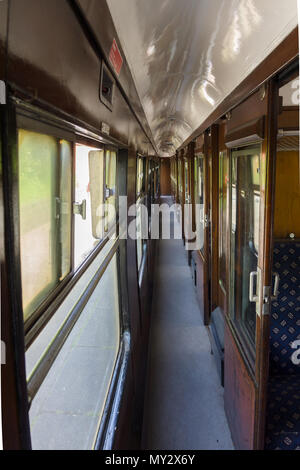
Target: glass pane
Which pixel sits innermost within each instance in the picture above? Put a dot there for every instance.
(85, 238)
(45, 214)
(141, 229)
(66, 412)
(245, 210)
(186, 179)
(199, 198)
(223, 182)
(180, 178)
(140, 187)
(110, 172)
(65, 206)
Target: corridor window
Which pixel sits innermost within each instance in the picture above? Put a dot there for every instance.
(245, 224)
(141, 176)
(45, 215)
(180, 185)
(223, 204)
(141, 212)
(110, 181)
(199, 198)
(88, 229)
(67, 409)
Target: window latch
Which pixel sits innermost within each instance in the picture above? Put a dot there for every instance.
(80, 209)
(109, 192)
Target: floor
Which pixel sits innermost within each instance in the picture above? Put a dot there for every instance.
(184, 401)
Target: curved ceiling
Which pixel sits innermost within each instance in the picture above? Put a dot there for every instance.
(186, 56)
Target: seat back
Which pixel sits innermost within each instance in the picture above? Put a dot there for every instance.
(285, 311)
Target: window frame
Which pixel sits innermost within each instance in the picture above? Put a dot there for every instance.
(248, 345)
(35, 119)
(142, 198)
(41, 115)
(200, 156)
(224, 163)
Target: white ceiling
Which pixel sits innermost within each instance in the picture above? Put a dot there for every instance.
(186, 56)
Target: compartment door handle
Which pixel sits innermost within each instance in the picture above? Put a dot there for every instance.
(253, 297)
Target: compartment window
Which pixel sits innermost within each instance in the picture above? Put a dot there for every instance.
(223, 201)
(245, 225)
(45, 215)
(199, 198)
(141, 212)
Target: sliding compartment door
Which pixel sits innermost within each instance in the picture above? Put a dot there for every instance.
(250, 132)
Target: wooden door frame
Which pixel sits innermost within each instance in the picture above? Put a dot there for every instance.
(247, 119)
(213, 157)
(15, 407)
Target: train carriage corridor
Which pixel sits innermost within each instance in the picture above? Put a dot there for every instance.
(184, 405)
(149, 226)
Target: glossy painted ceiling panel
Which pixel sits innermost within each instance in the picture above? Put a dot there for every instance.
(186, 56)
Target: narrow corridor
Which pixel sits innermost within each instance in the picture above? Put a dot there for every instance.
(184, 399)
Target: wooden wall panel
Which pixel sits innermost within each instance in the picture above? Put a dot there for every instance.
(287, 195)
(165, 177)
(239, 396)
(202, 284)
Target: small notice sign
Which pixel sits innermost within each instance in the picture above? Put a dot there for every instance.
(115, 57)
(105, 128)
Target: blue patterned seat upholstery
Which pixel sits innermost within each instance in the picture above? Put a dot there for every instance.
(283, 420)
(283, 413)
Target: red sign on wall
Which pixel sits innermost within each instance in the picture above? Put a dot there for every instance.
(115, 57)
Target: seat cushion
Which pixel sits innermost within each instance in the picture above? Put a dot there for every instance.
(285, 312)
(283, 413)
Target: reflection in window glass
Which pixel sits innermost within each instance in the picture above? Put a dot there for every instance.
(245, 210)
(223, 185)
(180, 185)
(141, 213)
(199, 198)
(45, 214)
(141, 176)
(66, 412)
(85, 236)
(110, 178)
(186, 179)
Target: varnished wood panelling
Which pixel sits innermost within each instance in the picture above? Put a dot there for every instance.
(250, 111)
(165, 177)
(202, 284)
(287, 195)
(289, 119)
(239, 396)
(214, 203)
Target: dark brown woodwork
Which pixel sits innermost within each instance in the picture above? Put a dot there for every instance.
(214, 222)
(288, 119)
(165, 177)
(223, 286)
(202, 284)
(207, 227)
(192, 182)
(248, 422)
(254, 129)
(239, 396)
(265, 262)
